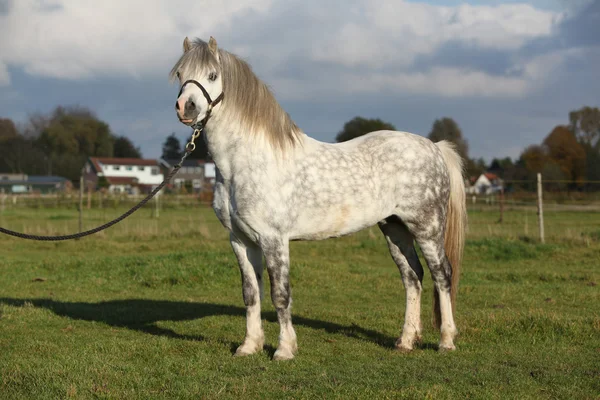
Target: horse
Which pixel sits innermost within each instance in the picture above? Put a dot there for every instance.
(275, 184)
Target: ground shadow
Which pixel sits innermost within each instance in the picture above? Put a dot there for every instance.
(142, 315)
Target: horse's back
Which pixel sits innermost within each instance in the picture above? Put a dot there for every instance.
(344, 187)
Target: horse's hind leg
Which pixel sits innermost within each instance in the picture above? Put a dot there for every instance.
(401, 244)
(432, 247)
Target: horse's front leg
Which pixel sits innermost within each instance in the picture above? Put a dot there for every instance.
(249, 257)
(276, 253)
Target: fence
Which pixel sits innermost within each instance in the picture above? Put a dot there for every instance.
(527, 203)
(518, 210)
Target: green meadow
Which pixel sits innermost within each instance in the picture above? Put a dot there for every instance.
(152, 308)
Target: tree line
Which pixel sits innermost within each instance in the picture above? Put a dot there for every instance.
(569, 156)
(60, 142)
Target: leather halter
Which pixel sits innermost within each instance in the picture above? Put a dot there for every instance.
(200, 124)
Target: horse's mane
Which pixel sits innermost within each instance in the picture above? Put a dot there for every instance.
(246, 98)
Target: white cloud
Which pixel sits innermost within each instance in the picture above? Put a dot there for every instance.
(399, 31)
(76, 39)
(366, 45)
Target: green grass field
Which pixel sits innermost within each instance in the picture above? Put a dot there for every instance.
(153, 309)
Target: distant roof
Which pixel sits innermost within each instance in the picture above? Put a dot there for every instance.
(121, 161)
(491, 176)
(35, 180)
(45, 179)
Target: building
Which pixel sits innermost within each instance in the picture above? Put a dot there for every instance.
(195, 175)
(123, 175)
(487, 183)
(22, 183)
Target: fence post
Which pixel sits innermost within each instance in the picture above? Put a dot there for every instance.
(501, 205)
(89, 196)
(157, 205)
(2, 200)
(81, 203)
(540, 210)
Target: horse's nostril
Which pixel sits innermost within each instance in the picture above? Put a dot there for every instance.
(191, 105)
(177, 105)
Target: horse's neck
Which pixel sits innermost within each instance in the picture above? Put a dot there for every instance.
(236, 152)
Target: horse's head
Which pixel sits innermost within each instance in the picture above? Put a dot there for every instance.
(199, 74)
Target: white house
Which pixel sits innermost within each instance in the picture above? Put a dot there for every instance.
(123, 175)
(196, 173)
(487, 183)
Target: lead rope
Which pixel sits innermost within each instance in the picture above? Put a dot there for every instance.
(189, 148)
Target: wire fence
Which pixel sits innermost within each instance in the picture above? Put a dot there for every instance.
(515, 209)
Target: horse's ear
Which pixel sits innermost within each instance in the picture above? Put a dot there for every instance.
(187, 45)
(212, 45)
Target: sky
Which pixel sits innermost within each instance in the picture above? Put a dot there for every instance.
(506, 71)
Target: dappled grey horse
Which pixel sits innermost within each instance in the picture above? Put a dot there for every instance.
(276, 184)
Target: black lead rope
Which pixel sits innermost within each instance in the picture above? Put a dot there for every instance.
(114, 221)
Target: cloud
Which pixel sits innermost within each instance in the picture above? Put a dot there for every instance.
(301, 48)
(81, 39)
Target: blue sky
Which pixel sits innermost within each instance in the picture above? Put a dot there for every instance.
(506, 71)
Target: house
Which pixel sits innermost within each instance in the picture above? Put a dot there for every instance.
(22, 183)
(487, 183)
(123, 175)
(194, 174)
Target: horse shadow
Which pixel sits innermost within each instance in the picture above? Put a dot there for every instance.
(142, 315)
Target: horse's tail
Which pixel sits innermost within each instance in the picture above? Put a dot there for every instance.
(456, 222)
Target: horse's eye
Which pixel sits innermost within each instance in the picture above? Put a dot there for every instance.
(178, 75)
(212, 76)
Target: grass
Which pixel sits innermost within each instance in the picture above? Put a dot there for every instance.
(152, 309)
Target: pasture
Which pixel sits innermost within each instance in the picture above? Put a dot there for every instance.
(153, 308)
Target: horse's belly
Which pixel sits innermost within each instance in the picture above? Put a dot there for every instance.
(339, 221)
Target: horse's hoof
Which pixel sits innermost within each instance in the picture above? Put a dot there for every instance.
(402, 349)
(282, 355)
(406, 346)
(248, 349)
(446, 347)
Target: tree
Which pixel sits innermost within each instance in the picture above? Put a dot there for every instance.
(500, 166)
(474, 168)
(123, 147)
(70, 136)
(8, 130)
(562, 149)
(360, 126)
(171, 148)
(592, 161)
(448, 129)
(585, 124)
(17, 153)
(534, 157)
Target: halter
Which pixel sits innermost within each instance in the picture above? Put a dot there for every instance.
(200, 124)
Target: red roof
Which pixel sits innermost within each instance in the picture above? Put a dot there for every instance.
(490, 176)
(121, 161)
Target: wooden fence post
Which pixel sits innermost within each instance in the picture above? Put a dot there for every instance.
(2, 201)
(157, 205)
(89, 196)
(540, 210)
(81, 203)
(501, 205)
